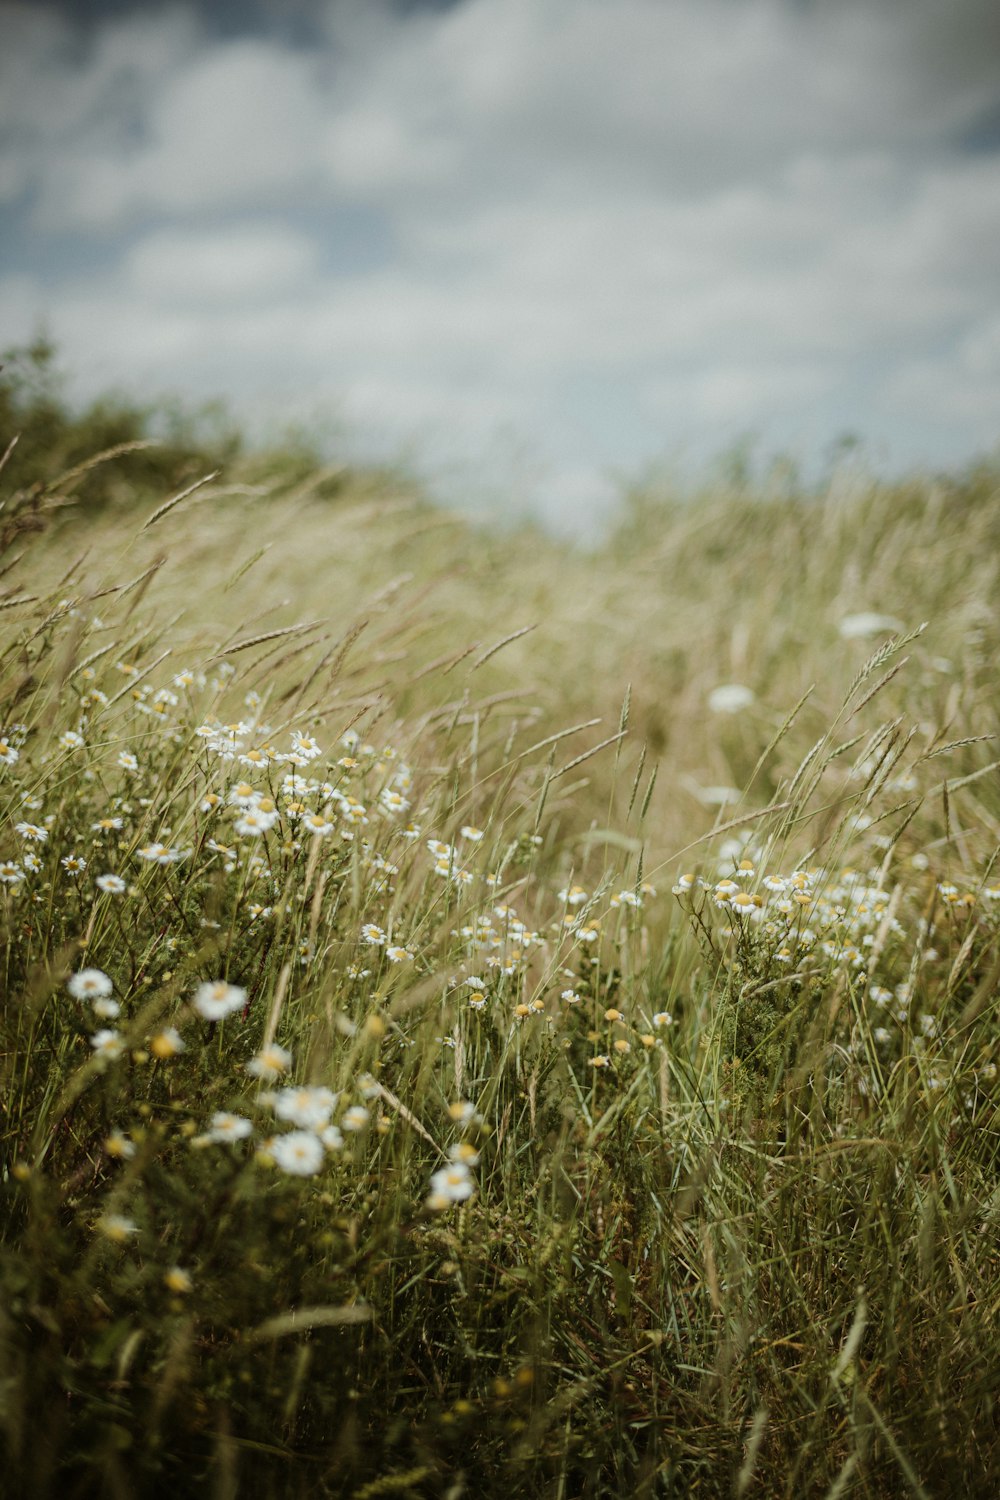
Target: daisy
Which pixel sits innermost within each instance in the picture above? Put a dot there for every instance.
(372, 933)
(227, 1127)
(167, 1044)
(108, 1043)
(8, 755)
(106, 825)
(10, 873)
(89, 984)
(215, 1000)
(452, 1184)
(309, 1108)
(31, 832)
(178, 1281)
(355, 1118)
(271, 1061)
(113, 884)
(299, 1153)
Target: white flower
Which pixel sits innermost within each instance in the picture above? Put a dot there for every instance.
(8, 755)
(108, 1043)
(32, 832)
(227, 1127)
(71, 740)
(299, 1153)
(355, 1118)
(116, 1227)
(113, 884)
(730, 698)
(371, 933)
(254, 823)
(89, 984)
(270, 1062)
(106, 1009)
(215, 1000)
(10, 873)
(332, 1138)
(127, 761)
(452, 1184)
(309, 1108)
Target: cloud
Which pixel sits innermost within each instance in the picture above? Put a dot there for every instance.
(606, 225)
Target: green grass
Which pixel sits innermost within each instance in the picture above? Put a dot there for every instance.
(730, 1173)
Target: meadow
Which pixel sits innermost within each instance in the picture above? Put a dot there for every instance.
(484, 1016)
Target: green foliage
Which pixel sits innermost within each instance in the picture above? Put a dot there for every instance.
(718, 1212)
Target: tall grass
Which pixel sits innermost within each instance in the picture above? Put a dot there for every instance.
(489, 1068)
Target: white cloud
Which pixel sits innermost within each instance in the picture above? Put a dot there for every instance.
(708, 214)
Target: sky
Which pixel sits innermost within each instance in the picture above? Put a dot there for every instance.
(535, 247)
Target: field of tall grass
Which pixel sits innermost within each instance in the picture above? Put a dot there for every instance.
(486, 1017)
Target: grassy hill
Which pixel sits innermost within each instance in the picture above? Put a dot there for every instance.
(485, 1016)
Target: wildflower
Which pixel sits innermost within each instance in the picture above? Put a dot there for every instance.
(373, 934)
(108, 1043)
(106, 1009)
(8, 755)
(461, 1111)
(31, 832)
(227, 1127)
(114, 885)
(116, 1227)
(309, 1108)
(331, 1138)
(465, 1153)
(573, 895)
(10, 873)
(127, 761)
(393, 801)
(613, 1015)
(271, 1061)
(411, 831)
(299, 1153)
(89, 984)
(600, 1061)
(477, 1000)
(106, 825)
(71, 740)
(472, 834)
(571, 997)
(452, 1184)
(254, 823)
(118, 1145)
(399, 955)
(73, 864)
(167, 1044)
(318, 824)
(217, 999)
(355, 1118)
(305, 745)
(621, 1045)
(159, 854)
(730, 698)
(178, 1281)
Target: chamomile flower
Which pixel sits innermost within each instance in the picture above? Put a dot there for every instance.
(309, 1108)
(71, 740)
(373, 934)
(113, 885)
(73, 864)
(270, 1063)
(167, 1044)
(254, 823)
(355, 1118)
(127, 761)
(216, 999)
(8, 755)
(89, 984)
(107, 825)
(452, 1184)
(118, 1145)
(10, 873)
(116, 1227)
(397, 955)
(299, 1153)
(108, 1043)
(32, 833)
(178, 1281)
(228, 1127)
